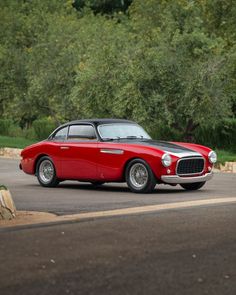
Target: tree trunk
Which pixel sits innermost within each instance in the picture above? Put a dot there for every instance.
(188, 133)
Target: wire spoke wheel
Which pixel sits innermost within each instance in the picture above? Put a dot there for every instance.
(46, 171)
(138, 175)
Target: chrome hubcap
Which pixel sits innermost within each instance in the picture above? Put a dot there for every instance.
(138, 175)
(46, 171)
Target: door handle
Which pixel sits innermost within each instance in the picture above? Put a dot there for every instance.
(64, 147)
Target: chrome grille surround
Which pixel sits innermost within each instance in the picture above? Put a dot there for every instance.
(196, 164)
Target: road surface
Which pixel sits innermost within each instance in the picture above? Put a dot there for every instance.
(177, 251)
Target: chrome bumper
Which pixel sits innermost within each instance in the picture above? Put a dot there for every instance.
(175, 179)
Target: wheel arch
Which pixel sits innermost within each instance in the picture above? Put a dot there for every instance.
(127, 163)
(37, 159)
(137, 158)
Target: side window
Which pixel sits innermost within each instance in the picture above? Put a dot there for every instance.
(81, 132)
(61, 135)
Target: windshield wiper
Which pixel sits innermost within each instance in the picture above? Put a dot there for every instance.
(111, 138)
(132, 137)
(120, 138)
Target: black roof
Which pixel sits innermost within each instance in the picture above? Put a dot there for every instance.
(100, 121)
(91, 121)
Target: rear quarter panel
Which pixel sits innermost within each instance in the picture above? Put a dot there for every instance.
(31, 154)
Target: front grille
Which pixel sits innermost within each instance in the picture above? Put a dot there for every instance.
(190, 166)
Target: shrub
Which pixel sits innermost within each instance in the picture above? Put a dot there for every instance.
(43, 128)
(29, 133)
(164, 132)
(6, 126)
(223, 136)
(15, 131)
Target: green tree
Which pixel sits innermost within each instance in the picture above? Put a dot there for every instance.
(169, 65)
(161, 65)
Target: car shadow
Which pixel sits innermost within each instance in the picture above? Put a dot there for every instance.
(117, 188)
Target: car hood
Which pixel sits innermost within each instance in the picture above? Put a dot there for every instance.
(168, 147)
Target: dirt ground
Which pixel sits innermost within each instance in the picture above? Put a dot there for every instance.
(28, 217)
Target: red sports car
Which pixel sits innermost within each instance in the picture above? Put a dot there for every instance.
(113, 150)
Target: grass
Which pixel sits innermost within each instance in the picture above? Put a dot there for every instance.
(15, 142)
(20, 142)
(225, 156)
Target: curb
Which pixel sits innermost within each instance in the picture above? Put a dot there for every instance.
(41, 218)
(229, 167)
(10, 153)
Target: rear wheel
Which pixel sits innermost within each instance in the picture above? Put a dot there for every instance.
(139, 177)
(46, 172)
(192, 186)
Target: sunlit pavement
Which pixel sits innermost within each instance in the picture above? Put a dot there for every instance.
(177, 251)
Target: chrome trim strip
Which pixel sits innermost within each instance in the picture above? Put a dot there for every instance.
(175, 179)
(189, 158)
(184, 154)
(112, 151)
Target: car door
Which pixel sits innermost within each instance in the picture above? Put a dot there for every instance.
(79, 153)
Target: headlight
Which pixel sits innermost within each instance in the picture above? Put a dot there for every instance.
(212, 157)
(166, 160)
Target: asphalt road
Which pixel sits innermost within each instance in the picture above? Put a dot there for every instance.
(177, 251)
(75, 197)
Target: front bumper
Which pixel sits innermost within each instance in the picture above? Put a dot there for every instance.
(175, 179)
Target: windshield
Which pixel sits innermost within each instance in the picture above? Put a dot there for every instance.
(122, 131)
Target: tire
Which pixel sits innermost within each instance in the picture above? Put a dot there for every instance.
(97, 183)
(192, 186)
(139, 177)
(46, 172)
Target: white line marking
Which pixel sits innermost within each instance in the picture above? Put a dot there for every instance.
(146, 209)
(119, 212)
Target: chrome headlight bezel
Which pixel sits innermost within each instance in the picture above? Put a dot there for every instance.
(212, 156)
(166, 160)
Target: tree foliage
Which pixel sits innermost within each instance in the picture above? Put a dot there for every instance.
(170, 65)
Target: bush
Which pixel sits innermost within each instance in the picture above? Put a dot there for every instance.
(6, 126)
(223, 136)
(164, 132)
(43, 128)
(29, 133)
(15, 131)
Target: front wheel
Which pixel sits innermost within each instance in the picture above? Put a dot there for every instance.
(139, 177)
(192, 186)
(46, 172)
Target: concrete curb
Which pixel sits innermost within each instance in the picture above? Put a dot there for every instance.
(229, 167)
(40, 218)
(10, 153)
(13, 153)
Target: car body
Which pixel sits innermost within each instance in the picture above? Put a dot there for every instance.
(115, 150)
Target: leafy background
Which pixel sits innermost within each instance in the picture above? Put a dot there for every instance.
(169, 65)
